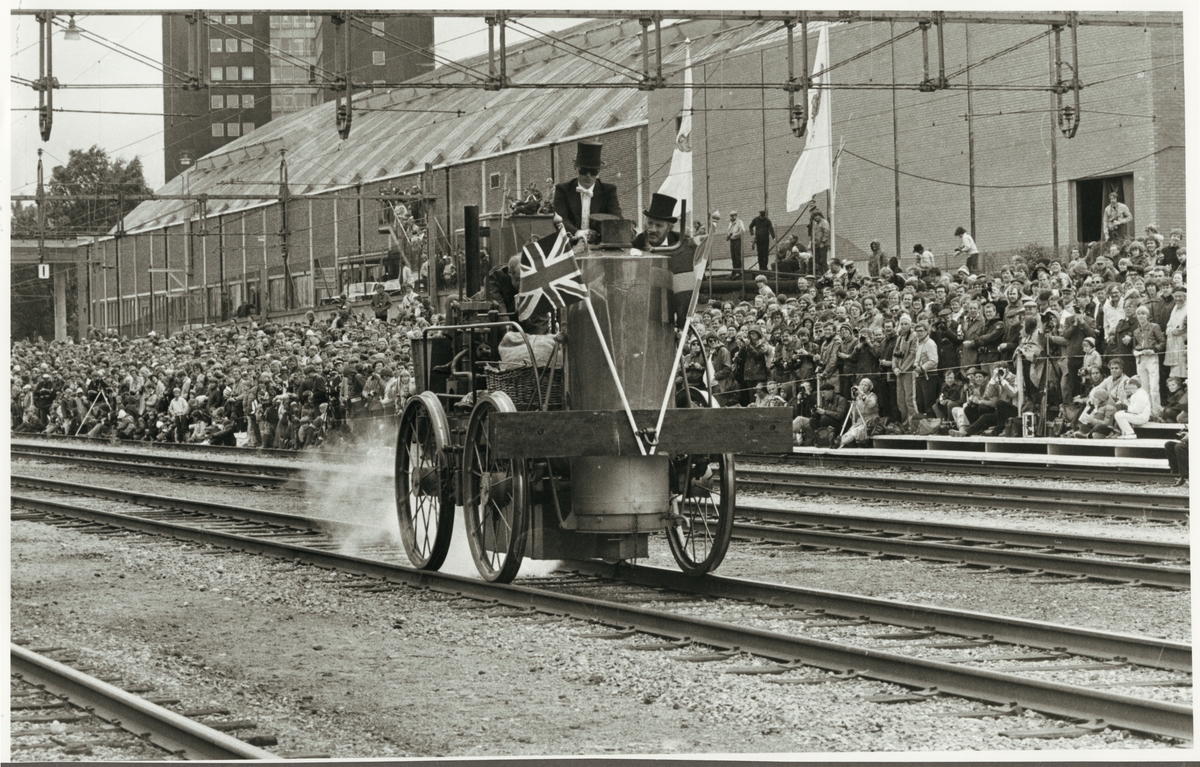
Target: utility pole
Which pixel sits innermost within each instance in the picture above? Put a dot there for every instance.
(285, 196)
(970, 130)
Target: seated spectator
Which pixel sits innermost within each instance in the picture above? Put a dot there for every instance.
(1096, 419)
(950, 398)
(994, 409)
(1136, 412)
(1175, 408)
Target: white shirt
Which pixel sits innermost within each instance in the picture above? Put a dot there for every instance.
(585, 205)
(968, 245)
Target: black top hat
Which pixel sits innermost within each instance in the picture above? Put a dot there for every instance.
(587, 154)
(662, 207)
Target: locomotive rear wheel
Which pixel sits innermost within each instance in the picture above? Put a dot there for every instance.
(424, 501)
(495, 497)
(703, 497)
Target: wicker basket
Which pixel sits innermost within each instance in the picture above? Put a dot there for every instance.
(521, 385)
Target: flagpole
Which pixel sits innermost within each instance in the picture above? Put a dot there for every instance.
(662, 412)
(612, 367)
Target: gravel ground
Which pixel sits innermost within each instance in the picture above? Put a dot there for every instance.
(351, 674)
(337, 671)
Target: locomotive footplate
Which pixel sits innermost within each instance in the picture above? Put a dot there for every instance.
(572, 433)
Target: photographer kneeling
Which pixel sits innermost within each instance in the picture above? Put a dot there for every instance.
(864, 414)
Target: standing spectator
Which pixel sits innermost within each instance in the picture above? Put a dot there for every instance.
(1176, 356)
(734, 234)
(764, 232)
(876, 259)
(819, 238)
(925, 365)
(381, 302)
(1116, 220)
(1136, 412)
(178, 411)
(967, 249)
(1148, 341)
(754, 363)
(904, 357)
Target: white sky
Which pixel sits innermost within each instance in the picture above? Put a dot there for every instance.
(129, 136)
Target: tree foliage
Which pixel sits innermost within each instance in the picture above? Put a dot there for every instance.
(87, 173)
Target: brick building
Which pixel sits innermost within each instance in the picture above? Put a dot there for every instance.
(1131, 137)
(482, 145)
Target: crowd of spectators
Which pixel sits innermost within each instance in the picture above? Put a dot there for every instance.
(291, 386)
(1094, 345)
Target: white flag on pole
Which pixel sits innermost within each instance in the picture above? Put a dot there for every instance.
(678, 183)
(813, 172)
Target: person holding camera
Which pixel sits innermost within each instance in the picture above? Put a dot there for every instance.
(864, 413)
(995, 407)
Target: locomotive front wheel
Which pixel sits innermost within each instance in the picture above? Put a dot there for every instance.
(424, 502)
(496, 499)
(702, 504)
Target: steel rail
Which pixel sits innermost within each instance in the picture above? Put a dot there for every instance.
(313, 524)
(1032, 497)
(1037, 634)
(1137, 714)
(864, 525)
(970, 463)
(166, 729)
(1149, 575)
(224, 475)
(1094, 544)
(1145, 651)
(298, 456)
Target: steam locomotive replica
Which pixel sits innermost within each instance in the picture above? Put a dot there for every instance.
(545, 461)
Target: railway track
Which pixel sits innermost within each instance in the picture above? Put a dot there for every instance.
(963, 465)
(55, 701)
(1164, 507)
(787, 632)
(1161, 565)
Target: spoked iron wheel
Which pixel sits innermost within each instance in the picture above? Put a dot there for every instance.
(424, 501)
(702, 502)
(496, 500)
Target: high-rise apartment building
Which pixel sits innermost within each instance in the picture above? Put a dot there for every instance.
(260, 66)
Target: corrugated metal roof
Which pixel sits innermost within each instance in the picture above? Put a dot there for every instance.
(385, 142)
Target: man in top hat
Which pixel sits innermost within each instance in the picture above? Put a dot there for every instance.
(660, 219)
(576, 201)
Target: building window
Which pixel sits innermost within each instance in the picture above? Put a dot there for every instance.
(234, 129)
(247, 19)
(247, 46)
(218, 130)
(214, 45)
(247, 127)
(231, 45)
(247, 102)
(231, 19)
(231, 73)
(217, 73)
(377, 28)
(218, 102)
(494, 181)
(247, 73)
(378, 58)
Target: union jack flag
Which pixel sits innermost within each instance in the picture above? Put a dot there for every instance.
(549, 275)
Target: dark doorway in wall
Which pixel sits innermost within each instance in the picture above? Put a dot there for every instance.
(1091, 196)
